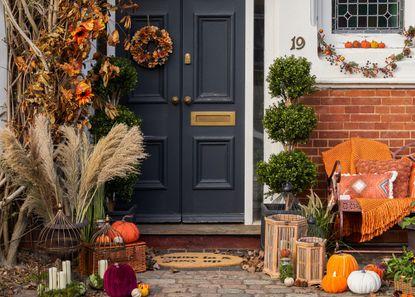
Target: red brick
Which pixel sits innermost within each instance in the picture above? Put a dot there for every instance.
(333, 134)
(382, 126)
(336, 101)
(398, 109)
(382, 109)
(410, 109)
(365, 134)
(397, 126)
(410, 92)
(398, 93)
(396, 118)
(396, 143)
(365, 117)
(383, 93)
(395, 134)
(361, 93)
(366, 101)
(337, 93)
(336, 109)
(311, 101)
(396, 101)
(350, 126)
(352, 109)
(334, 117)
(367, 109)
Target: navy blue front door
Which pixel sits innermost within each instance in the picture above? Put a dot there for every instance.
(193, 113)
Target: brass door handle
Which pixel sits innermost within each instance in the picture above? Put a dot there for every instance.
(175, 100)
(187, 100)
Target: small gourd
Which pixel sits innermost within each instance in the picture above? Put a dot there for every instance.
(144, 289)
(333, 283)
(356, 44)
(136, 293)
(103, 239)
(289, 282)
(365, 44)
(375, 268)
(364, 282)
(382, 45)
(348, 44)
(118, 240)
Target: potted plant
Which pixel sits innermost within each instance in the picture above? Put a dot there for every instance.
(113, 78)
(290, 123)
(408, 223)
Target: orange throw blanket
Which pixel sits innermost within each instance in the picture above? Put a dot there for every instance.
(378, 215)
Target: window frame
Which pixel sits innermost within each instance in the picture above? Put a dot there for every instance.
(367, 29)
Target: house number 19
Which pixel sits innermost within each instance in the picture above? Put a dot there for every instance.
(297, 43)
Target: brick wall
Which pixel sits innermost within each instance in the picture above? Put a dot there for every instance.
(387, 115)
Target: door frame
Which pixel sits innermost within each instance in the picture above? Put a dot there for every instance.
(249, 105)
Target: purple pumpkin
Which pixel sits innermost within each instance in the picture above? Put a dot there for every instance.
(119, 280)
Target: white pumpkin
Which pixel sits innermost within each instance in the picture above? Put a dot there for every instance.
(289, 282)
(364, 282)
(136, 293)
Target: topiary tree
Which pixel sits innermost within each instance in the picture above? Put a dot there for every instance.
(288, 166)
(289, 78)
(290, 124)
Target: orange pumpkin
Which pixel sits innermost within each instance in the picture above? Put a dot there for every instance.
(333, 283)
(365, 44)
(356, 44)
(128, 231)
(348, 44)
(342, 264)
(382, 45)
(103, 239)
(374, 268)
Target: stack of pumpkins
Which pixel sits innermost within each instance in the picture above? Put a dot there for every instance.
(128, 231)
(343, 272)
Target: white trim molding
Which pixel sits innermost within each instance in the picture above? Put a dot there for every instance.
(249, 107)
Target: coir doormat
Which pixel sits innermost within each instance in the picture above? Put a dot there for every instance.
(197, 260)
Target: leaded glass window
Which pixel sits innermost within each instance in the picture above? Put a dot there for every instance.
(368, 16)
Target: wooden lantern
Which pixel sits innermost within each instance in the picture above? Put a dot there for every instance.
(281, 234)
(311, 255)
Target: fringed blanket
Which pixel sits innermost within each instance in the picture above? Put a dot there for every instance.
(378, 215)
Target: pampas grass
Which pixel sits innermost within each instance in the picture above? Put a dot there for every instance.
(70, 172)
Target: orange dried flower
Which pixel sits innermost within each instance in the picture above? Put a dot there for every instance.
(80, 34)
(83, 93)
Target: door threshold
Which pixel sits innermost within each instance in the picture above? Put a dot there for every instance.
(199, 229)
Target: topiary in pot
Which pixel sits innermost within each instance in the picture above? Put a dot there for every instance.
(288, 166)
(289, 124)
(289, 78)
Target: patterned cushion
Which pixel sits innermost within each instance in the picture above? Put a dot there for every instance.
(368, 185)
(402, 166)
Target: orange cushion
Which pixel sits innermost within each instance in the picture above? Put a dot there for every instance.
(367, 149)
(372, 186)
(402, 166)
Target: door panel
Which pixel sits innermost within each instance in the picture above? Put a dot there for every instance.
(212, 156)
(195, 171)
(157, 193)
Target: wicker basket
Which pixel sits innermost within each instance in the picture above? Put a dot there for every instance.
(311, 256)
(281, 232)
(404, 285)
(133, 254)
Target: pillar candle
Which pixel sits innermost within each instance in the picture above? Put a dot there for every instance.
(101, 268)
(50, 279)
(54, 278)
(68, 272)
(62, 279)
(64, 266)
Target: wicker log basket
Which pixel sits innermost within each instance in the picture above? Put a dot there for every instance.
(311, 256)
(404, 285)
(281, 233)
(107, 244)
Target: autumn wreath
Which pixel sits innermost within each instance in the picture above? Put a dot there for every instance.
(151, 46)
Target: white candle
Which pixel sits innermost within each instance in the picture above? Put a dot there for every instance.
(54, 278)
(64, 266)
(62, 279)
(68, 272)
(101, 268)
(50, 279)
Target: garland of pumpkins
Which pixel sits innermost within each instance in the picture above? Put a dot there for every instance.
(343, 272)
(369, 69)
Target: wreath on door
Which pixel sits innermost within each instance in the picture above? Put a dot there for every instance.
(151, 46)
